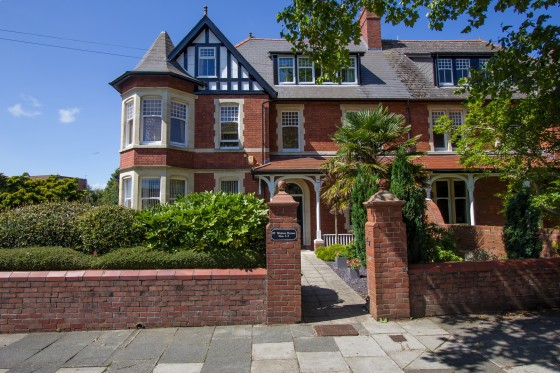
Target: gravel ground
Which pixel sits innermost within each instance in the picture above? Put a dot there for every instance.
(359, 285)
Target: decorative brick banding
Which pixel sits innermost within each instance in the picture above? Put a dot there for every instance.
(113, 299)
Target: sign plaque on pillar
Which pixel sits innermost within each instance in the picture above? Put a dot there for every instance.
(284, 234)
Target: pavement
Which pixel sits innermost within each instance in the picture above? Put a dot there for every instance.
(518, 342)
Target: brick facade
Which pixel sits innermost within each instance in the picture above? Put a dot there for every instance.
(476, 287)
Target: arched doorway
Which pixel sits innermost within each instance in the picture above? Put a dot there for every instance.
(296, 192)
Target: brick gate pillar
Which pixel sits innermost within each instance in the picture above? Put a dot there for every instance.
(283, 260)
(386, 256)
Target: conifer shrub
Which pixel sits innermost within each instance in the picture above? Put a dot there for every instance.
(521, 234)
(45, 224)
(406, 189)
(364, 187)
(106, 227)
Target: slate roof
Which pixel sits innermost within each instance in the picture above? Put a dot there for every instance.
(155, 62)
(401, 70)
(413, 63)
(379, 80)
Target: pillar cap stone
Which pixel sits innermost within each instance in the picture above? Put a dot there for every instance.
(383, 195)
(282, 198)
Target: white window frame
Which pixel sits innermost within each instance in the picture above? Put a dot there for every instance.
(171, 196)
(218, 103)
(444, 64)
(203, 58)
(483, 63)
(127, 192)
(463, 68)
(283, 125)
(280, 108)
(222, 122)
(292, 68)
(175, 114)
(300, 68)
(129, 123)
(353, 66)
(450, 112)
(151, 115)
(149, 198)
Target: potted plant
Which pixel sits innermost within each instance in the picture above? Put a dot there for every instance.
(340, 261)
(353, 269)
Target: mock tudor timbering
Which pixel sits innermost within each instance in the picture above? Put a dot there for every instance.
(210, 115)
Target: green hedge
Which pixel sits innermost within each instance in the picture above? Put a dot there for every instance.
(106, 227)
(58, 258)
(207, 222)
(47, 224)
(44, 259)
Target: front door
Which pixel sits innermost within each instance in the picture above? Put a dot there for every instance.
(297, 194)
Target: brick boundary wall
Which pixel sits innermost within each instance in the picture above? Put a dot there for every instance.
(113, 299)
(492, 286)
(488, 238)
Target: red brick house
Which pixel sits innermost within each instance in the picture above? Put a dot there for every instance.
(210, 115)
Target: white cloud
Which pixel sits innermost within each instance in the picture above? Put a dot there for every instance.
(19, 111)
(68, 115)
(26, 108)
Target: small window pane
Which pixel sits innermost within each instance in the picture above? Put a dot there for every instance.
(349, 75)
(229, 186)
(129, 131)
(439, 139)
(127, 192)
(150, 192)
(443, 205)
(460, 211)
(152, 129)
(151, 107)
(442, 190)
(460, 188)
(290, 138)
(177, 188)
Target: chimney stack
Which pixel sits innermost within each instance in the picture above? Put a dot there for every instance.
(370, 25)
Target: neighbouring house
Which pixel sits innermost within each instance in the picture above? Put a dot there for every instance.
(82, 183)
(210, 115)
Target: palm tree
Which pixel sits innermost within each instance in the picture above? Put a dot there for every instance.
(366, 139)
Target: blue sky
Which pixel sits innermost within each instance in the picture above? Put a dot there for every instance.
(58, 115)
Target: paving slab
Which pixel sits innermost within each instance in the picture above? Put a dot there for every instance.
(233, 331)
(272, 334)
(82, 370)
(375, 327)
(274, 351)
(371, 364)
(358, 346)
(534, 368)
(302, 330)
(132, 366)
(422, 327)
(404, 358)
(91, 356)
(189, 345)
(274, 366)
(315, 344)
(433, 342)
(178, 368)
(148, 344)
(233, 353)
(389, 345)
(8, 339)
(319, 362)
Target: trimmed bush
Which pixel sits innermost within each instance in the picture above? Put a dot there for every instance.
(329, 253)
(207, 222)
(106, 227)
(59, 258)
(43, 259)
(143, 258)
(47, 224)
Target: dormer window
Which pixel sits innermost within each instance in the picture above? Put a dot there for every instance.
(286, 70)
(207, 62)
(450, 70)
(445, 71)
(463, 68)
(349, 75)
(306, 70)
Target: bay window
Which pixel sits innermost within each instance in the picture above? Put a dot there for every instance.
(178, 124)
(177, 188)
(129, 123)
(150, 192)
